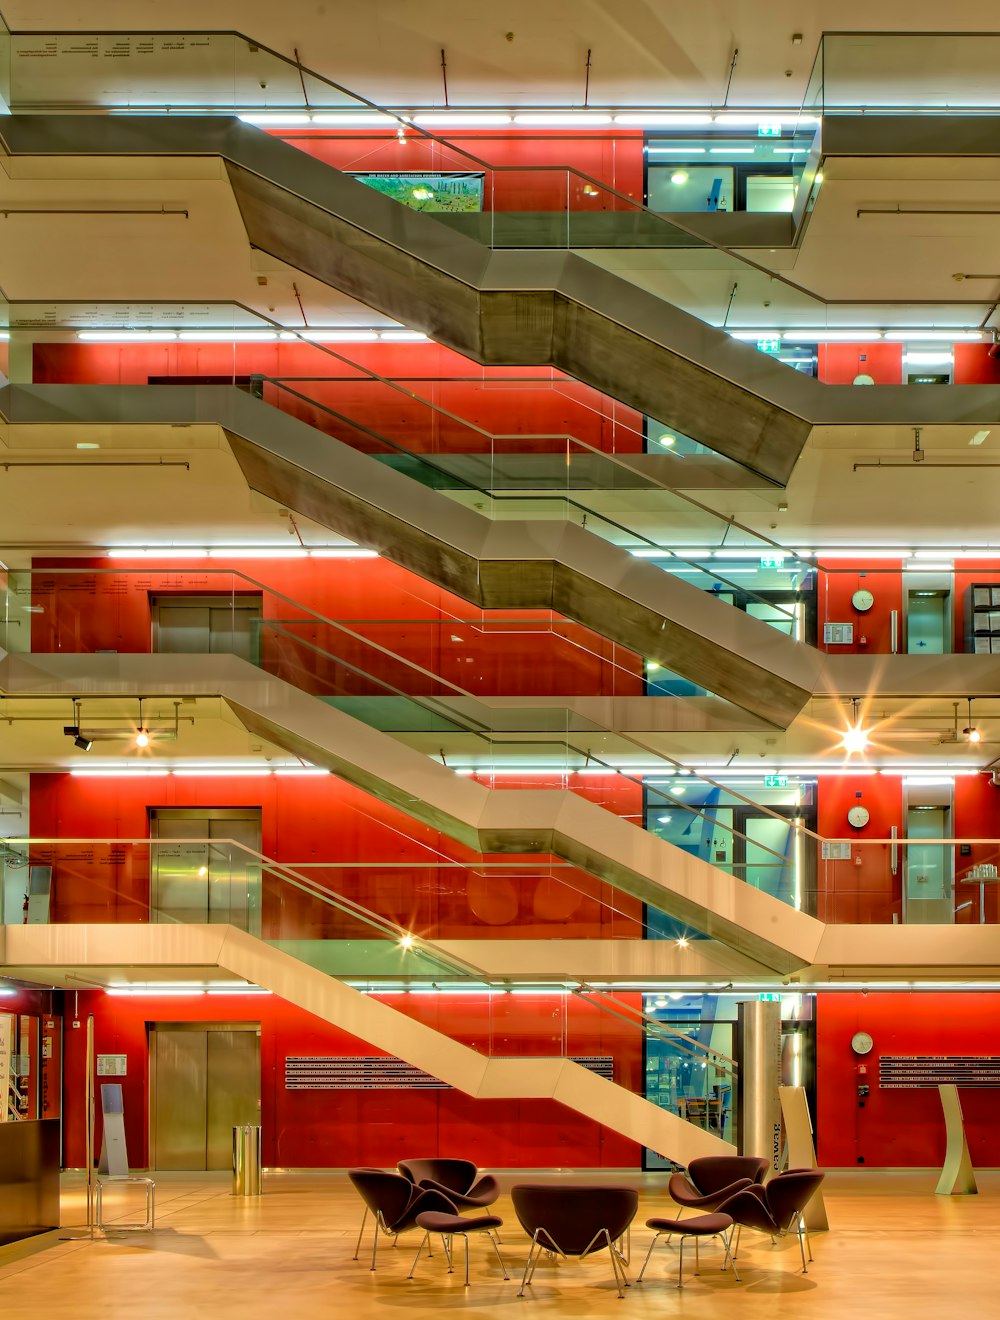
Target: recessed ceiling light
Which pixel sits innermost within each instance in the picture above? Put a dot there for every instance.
(87, 444)
(679, 176)
(979, 437)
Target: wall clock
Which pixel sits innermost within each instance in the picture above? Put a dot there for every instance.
(858, 817)
(863, 600)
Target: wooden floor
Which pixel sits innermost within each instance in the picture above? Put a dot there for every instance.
(894, 1250)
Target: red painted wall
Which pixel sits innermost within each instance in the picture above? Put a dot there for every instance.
(501, 401)
(342, 834)
(613, 160)
(337, 1129)
(838, 580)
(975, 366)
(863, 888)
(976, 815)
(838, 364)
(900, 1129)
(523, 653)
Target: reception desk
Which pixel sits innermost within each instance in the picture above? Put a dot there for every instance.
(29, 1179)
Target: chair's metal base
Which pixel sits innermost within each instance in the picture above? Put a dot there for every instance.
(728, 1260)
(552, 1248)
(448, 1242)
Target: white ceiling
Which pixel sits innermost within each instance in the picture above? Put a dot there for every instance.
(651, 52)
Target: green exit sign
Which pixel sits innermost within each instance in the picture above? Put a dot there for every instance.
(769, 999)
(775, 781)
(771, 561)
(769, 128)
(768, 345)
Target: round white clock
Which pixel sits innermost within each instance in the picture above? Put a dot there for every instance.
(858, 817)
(862, 600)
(861, 1042)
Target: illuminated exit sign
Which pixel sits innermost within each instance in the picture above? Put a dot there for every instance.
(769, 128)
(775, 781)
(768, 345)
(769, 999)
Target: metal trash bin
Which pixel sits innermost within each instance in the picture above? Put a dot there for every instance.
(246, 1160)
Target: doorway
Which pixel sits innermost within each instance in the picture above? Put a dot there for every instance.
(218, 880)
(928, 621)
(204, 1079)
(929, 893)
(207, 625)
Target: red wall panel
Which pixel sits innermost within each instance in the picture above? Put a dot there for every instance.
(900, 1128)
(838, 580)
(353, 845)
(536, 405)
(838, 364)
(974, 365)
(532, 179)
(337, 1129)
(863, 888)
(522, 653)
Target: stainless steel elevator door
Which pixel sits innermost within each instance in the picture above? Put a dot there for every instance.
(210, 881)
(205, 1079)
(207, 625)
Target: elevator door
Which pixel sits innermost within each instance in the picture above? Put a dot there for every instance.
(211, 881)
(204, 1080)
(207, 625)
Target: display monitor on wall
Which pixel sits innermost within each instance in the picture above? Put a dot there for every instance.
(429, 192)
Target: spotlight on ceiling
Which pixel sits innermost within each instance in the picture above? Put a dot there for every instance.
(73, 730)
(855, 738)
(141, 733)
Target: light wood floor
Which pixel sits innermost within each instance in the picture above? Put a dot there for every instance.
(894, 1250)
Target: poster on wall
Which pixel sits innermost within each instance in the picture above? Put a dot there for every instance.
(429, 192)
(6, 1063)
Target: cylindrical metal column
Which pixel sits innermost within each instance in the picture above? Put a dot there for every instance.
(246, 1160)
(760, 1077)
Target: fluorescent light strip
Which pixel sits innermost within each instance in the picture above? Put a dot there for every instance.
(863, 552)
(277, 120)
(676, 151)
(581, 119)
(239, 552)
(831, 336)
(358, 335)
(127, 336)
(663, 121)
(731, 151)
(936, 336)
(929, 359)
(227, 336)
(459, 120)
